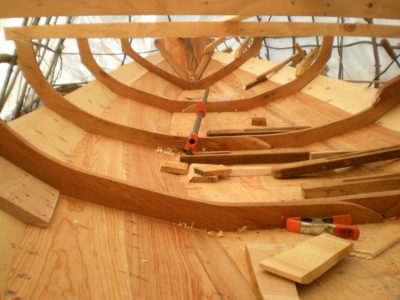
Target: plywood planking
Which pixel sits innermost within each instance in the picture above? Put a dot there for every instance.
(50, 132)
(24, 196)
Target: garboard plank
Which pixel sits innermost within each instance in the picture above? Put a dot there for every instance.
(112, 192)
(308, 260)
(25, 197)
(204, 29)
(268, 286)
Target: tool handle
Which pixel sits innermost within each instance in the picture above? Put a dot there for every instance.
(347, 232)
(201, 107)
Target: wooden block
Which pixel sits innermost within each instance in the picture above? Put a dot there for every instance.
(259, 157)
(306, 62)
(310, 259)
(237, 171)
(353, 185)
(337, 161)
(323, 154)
(196, 178)
(212, 170)
(174, 167)
(258, 121)
(267, 285)
(25, 197)
(377, 241)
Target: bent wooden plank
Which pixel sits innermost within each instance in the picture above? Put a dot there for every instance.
(212, 106)
(25, 197)
(341, 8)
(89, 186)
(96, 125)
(186, 84)
(206, 29)
(388, 98)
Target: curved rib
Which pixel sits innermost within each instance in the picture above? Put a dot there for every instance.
(212, 106)
(91, 123)
(198, 84)
(89, 186)
(388, 99)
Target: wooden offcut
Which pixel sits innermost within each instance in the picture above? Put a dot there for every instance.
(212, 170)
(25, 197)
(258, 121)
(238, 171)
(337, 161)
(193, 177)
(308, 260)
(174, 167)
(352, 185)
(267, 285)
(377, 241)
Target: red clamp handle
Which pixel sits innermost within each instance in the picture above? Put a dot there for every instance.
(192, 142)
(200, 106)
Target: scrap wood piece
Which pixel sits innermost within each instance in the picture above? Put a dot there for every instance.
(352, 185)
(212, 170)
(237, 171)
(26, 197)
(174, 167)
(306, 62)
(337, 161)
(267, 285)
(377, 240)
(258, 121)
(196, 178)
(310, 259)
(254, 131)
(259, 157)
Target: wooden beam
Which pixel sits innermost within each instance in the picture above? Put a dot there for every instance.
(90, 186)
(306, 62)
(253, 131)
(214, 44)
(323, 154)
(25, 197)
(353, 185)
(334, 162)
(238, 171)
(239, 51)
(202, 29)
(308, 260)
(260, 157)
(267, 285)
(339, 8)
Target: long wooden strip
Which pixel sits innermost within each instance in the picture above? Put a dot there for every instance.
(25, 197)
(261, 157)
(349, 186)
(339, 161)
(214, 44)
(268, 286)
(204, 29)
(310, 259)
(202, 214)
(341, 8)
(253, 131)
